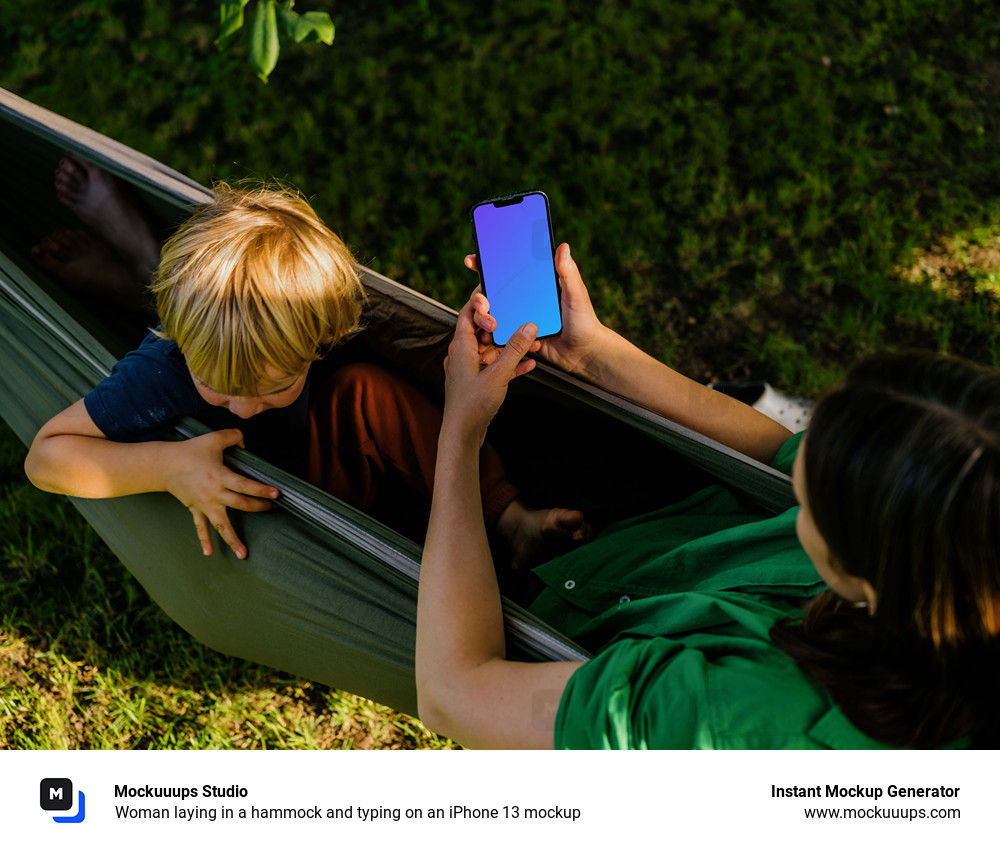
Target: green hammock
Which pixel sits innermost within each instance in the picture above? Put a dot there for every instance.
(328, 592)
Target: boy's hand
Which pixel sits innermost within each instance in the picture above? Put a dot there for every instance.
(197, 477)
(576, 348)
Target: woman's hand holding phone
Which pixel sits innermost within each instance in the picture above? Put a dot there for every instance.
(577, 348)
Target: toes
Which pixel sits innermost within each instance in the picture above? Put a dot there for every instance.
(543, 534)
(561, 522)
(40, 256)
(73, 168)
(83, 166)
(49, 244)
(76, 240)
(44, 258)
(67, 196)
(70, 181)
(58, 250)
(65, 245)
(570, 520)
(61, 241)
(561, 527)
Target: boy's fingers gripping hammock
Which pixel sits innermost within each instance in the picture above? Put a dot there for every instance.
(328, 592)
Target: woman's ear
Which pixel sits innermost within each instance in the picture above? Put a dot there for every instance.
(850, 587)
(859, 591)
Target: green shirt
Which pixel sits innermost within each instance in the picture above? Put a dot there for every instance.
(677, 605)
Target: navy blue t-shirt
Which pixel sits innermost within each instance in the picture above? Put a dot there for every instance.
(150, 389)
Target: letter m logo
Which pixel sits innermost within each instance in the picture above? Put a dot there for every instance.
(56, 795)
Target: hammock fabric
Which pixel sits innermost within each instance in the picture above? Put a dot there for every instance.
(328, 593)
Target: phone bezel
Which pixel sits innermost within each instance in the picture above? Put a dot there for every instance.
(510, 200)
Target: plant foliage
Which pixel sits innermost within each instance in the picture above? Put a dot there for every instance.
(270, 23)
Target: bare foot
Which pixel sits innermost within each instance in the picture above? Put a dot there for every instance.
(86, 264)
(102, 202)
(534, 536)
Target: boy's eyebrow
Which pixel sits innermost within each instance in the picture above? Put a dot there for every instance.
(287, 386)
(282, 389)
(278, 391)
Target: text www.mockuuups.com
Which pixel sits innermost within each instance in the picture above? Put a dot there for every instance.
(882, 812)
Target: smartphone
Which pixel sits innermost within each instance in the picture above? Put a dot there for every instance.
(516, 263)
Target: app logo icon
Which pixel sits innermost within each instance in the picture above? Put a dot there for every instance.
(56, 795)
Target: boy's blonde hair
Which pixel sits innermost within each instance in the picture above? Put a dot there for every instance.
(254, 279)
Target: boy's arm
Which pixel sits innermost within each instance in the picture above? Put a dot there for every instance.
(71, 455)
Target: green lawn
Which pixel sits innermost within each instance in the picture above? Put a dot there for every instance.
(769, 190)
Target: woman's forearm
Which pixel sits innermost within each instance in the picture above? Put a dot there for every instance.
(466, 687)
(459, 614)
(627, 371)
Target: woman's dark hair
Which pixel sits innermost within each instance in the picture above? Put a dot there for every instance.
(902, 478)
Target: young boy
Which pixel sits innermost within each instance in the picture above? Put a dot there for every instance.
(250, 291)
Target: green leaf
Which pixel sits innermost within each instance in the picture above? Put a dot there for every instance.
(288, 18)
(230, 22)
(264, 47)
(313, 27)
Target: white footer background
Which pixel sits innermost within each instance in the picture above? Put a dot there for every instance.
(580, 800)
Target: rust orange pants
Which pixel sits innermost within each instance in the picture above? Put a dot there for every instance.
(369, 429)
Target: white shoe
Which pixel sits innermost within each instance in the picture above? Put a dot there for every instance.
(789, 411)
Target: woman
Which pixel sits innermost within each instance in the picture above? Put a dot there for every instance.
(695, 612)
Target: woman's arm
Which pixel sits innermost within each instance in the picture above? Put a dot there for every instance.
(625, 370)
(466, 687)
(588, 349)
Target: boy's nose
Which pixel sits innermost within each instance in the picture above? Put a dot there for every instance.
(245, 407)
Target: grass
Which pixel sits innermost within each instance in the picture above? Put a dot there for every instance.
(752, 190)
(87, 661)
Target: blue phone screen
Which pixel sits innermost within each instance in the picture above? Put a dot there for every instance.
(515, 261)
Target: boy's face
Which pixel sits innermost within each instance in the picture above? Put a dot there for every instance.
(276, 390)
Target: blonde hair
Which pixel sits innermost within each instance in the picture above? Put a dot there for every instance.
(254, 279)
